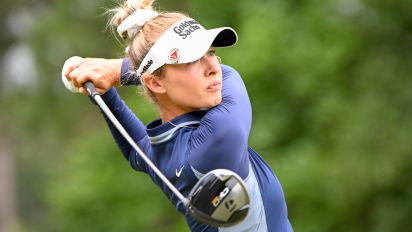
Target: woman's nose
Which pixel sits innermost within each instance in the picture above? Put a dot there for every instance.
(212, 65)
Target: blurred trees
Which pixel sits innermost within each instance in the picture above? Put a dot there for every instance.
(329, 83)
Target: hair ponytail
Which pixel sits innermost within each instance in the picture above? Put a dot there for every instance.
(120, 13)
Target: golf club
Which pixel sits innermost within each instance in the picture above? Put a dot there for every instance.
(219, 198)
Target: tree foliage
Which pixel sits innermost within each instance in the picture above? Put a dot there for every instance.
(329, 84)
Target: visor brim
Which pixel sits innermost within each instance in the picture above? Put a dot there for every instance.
(198, 45)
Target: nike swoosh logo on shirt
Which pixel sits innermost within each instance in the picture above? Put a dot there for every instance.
(180, 171)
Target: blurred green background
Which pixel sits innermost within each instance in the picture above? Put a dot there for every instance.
(330, 83)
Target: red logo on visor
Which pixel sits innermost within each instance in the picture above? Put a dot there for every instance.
(174, 56)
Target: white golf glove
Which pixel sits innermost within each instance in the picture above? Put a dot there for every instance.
(68, 84)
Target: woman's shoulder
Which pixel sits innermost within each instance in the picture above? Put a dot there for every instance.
(228, 70)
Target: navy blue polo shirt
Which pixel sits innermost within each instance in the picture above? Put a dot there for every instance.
(195, 143)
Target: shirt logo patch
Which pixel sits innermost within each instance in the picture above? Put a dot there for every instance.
(178, 173)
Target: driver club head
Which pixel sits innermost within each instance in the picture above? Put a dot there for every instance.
(220, 199)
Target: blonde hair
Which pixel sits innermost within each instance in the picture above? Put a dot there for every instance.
(140, 44)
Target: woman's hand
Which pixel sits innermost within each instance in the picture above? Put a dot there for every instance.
(103, 73)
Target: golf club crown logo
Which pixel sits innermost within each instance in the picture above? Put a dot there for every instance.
(186, 28)
(174, 55)
(219, 198)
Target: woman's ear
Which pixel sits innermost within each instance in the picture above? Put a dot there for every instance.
(153, 84)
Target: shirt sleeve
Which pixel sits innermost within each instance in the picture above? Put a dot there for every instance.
(128, 76)
(221, 140)
(132, 125)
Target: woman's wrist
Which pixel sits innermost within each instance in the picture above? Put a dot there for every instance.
(116, 65)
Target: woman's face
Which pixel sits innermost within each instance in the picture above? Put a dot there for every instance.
(194, 85)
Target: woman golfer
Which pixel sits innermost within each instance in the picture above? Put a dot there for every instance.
(205, 112)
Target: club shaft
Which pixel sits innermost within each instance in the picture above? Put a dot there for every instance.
(139, 151)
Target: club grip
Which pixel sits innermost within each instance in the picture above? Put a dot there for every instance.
(91, 89)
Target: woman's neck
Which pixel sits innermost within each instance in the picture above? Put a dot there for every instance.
(169, 111)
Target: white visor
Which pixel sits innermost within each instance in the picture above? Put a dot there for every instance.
(184, 42)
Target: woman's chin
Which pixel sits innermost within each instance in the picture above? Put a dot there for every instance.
(214, 102)
(210, 103)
